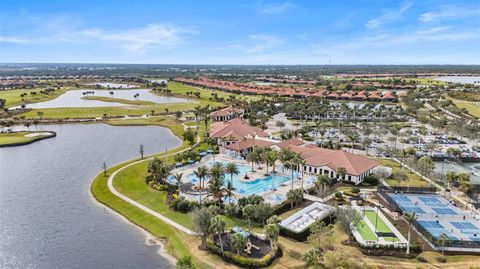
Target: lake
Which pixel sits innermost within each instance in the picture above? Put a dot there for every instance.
(113, 85)
(48, 217)
(73, 98)
(460, 79)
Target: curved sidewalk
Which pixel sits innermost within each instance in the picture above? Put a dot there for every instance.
(142, 207)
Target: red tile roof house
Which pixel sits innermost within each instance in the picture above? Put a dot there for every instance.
(388, 96)
(226, 114)
(233, 131)
(318, 160)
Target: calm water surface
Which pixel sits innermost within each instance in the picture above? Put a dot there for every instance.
(47, 216)
(73, 98)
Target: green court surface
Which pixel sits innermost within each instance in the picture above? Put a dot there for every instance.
(381, 225)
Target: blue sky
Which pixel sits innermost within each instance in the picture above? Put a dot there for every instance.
(241, 32)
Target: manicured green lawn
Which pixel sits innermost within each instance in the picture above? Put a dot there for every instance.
(365, 232)
(472, 108)
(381, 225)
(17, 137)
(118, 100)
(182, 89)
(413, 179)
(13, 98)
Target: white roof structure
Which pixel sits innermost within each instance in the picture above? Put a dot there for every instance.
(301, 220)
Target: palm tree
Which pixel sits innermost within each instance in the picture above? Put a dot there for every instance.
(178, 180)
(249, 213)
(322, 181)
(270, 159)
(206, 119)
(272, 231)
(218, 225)
(301, 163)
(293, 164)
(352, 137)
(252, 158)
(341, 171)
(410, 218)
(284, 156)
(238, 242)
(201, 173)
(215, 184)
(443, 240)
(232, 169)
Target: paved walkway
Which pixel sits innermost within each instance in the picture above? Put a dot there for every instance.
(142, 207)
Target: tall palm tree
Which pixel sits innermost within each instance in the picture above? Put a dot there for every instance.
(284, 156)
(232, 169)
(270, 158)
(301, 163)
(178, 180)
(352, 137)
(341, 171)
(293, 164)
(272, 232)
(410, 218)
(218, 226)
(443, 240)
(206, 119)
(201, 173)
(322, 181)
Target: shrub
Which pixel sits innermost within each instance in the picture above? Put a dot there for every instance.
(355, 190)
(245, 261)
(232, 210)
(185, 263)
(183, 206)
(338, 195)
(371, 180)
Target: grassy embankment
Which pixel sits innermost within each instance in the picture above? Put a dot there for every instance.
(22, 138)
(412, 180)
(118, 100)
(176, 241)
(13, 98)
(473, 108)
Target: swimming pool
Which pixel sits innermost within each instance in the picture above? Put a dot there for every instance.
(255, 186)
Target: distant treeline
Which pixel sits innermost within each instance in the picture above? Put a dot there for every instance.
(166, 70)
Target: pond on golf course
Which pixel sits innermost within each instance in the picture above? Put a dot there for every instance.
(73, 98)
(48, 217)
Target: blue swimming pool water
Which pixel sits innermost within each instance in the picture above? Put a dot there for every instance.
(253, 186)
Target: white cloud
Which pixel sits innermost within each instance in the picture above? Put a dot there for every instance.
(273, 8)
(136, 40)
(388, 15)
(256, 43)
(448, 12)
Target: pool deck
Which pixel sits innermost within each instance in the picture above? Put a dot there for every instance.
(271, 196)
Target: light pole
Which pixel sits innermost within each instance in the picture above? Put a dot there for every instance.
(376, 221)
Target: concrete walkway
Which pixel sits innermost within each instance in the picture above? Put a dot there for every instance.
(142, 207)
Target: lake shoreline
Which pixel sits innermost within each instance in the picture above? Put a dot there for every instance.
(33, 140)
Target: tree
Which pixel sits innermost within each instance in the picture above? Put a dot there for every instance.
(185, 263)
(294, 197)
(201, 173)
(104, 166)
(443, 240)
(178, 180)
(322, 182)
(249, 213)
(270, 159)
(410, 218)
(232, 169)
(40, 114)
(284, 156)
(189, 136)
(178, 114)
(292, 164)
(3, 101)
(426, 165)
(252, 158)
(400, 176)
(238, 242)
(158, 171)
(140, 149)
(312, 257)
(262, 212)
(301, 163)
(218, 226)
(201, 219)
(341, 171)
(321, 235)
(272, 232)
(452, 178)
(27, 124)
(348, 218)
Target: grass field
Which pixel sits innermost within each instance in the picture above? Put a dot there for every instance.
(182, 89)
(365, 231)
(412, 180)
(381, 225)
(472, 108)
(118, 100)
(13, 98)
(19, 137)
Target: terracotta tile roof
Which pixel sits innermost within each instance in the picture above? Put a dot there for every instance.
(237, 129)
(225, 112)
(246, 143)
